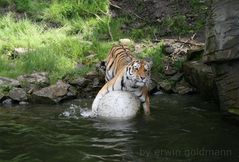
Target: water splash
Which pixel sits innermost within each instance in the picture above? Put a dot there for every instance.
(86, 113)
(75, 112)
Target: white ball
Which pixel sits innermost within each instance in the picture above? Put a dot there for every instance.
(119, 105)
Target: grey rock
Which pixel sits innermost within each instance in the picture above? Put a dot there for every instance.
(9, 82)
(202, 77)
(18, 52)
(168, 50)
(18, 94)
(34, 81)
(91, 75)
(80, 81)
(166, 86)
(169, 71)
(222, 31)
(96, 79)
(72, 92)
(227, 81)
(89, 85)
(222, 52)
(183, 88)
(177, 77)
(54, 93)
(153, 86)
(96, 82)
(100, 68)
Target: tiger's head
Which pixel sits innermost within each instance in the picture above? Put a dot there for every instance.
(139, 72)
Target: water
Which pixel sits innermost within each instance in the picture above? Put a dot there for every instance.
(181, 128)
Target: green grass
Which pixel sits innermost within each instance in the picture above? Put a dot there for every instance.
(177, 25)
(50, 49)
(154, 53)
(8, 68)
(61, 34)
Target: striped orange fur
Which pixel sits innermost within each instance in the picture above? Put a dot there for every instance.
(126, 73)
(118, 57)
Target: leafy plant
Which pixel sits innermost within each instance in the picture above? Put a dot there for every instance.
(154, 53)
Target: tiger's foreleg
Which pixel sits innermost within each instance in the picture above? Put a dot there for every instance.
(146, 105)
(145, 101)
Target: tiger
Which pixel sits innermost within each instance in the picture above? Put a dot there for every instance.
(118, 57)
(133, 77)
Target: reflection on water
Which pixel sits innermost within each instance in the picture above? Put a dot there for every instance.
(106, 125)
(181, 128)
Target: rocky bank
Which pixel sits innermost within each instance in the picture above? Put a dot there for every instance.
(36, 87)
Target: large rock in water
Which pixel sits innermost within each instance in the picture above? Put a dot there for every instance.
(118, 105)
(202, 77)
(222, 51)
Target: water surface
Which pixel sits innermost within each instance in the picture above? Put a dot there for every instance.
(180, 128)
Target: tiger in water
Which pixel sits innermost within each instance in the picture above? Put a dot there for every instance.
(125, 73)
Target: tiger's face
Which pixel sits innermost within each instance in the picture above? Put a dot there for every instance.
(139, 71)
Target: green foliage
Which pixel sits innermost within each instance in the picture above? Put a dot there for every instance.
(52, 50)
(61, 11)
(139, 33)
(5, 3)
(178, 64)
(46, 60)
(33, 8)
(198, 6)
(100, 28)
(77, 72)
(23, 5)
(26, 34)
(102, 49)
(177, 25)
(62, 33)
(8, 67)
(90, 29)
(4, 89)
(155, 53)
